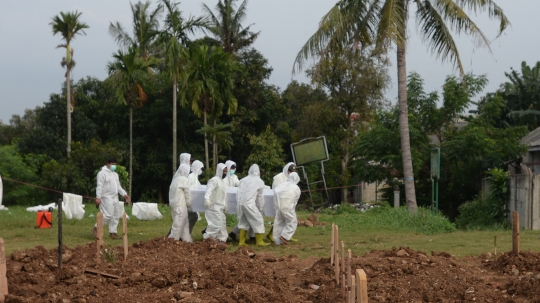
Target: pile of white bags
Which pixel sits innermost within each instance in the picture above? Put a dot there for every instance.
(72, 206)
(146, 211)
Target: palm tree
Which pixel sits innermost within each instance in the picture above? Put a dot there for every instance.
(145, 29)
(227, 26)
(384, 22)
(174, 39)
(127, 72)
(209, 83)
(68, 25)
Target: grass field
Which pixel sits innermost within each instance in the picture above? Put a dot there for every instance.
(361, 232)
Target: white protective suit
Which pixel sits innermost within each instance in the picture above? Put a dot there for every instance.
(1, 193)
(179, 199)
(196, 171)
(286, 196)
(216, 207)
(281, 177)
(250, 201)
(108, 188)
(230, 180)
(184, 159)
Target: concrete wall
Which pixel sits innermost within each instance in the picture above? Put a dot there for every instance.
(525, 197)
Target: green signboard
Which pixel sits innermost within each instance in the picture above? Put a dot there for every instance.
(310, 151)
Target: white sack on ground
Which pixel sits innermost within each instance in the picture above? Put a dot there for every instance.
(146, 211)
(35, 209)
(72, 206)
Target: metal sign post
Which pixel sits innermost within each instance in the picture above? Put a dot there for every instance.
(435, 176)
(311, 150)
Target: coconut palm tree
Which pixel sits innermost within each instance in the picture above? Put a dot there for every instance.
(174, 40)
(226, 26)
(209, 83)
(384, 22)
(68, 25)
(145, 29)
(128, 72)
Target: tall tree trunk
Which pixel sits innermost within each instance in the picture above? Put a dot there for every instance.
(344, 164)
(174, 126)
(68, 84)
(215, 146)
(408, 174)
(130, 148)
(206, 143)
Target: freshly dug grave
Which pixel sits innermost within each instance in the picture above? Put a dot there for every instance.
(162, 270)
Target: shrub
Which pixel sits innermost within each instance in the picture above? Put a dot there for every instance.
(480, 213)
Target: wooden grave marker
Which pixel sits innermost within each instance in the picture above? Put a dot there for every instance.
(99, 241)
(515, 232)
(124, 225)
(361, 286)
(3, 272)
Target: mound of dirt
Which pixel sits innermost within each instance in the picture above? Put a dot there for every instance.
(163, 270)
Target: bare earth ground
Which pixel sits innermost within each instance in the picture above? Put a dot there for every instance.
(162, 270)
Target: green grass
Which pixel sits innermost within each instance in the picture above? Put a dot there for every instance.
(361, 233)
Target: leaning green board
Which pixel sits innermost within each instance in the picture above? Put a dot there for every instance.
(310, 152)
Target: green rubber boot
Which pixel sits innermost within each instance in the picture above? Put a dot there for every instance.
(242, 241)
(270, 235)
(259, 240)
(293, 240)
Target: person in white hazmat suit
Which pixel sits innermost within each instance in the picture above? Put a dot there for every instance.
(107, 191)
(215, 200)
(180, 200)
(250, 202)
(196, 170)
(185, 158)
(286, 196)
(279, 179)
(231, 179)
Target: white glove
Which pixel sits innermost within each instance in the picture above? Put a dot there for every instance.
(225, 210)
(207, 203)
(188, 204)
(189, 208)
(261, 209)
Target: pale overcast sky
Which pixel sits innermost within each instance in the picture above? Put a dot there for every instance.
(30, 64)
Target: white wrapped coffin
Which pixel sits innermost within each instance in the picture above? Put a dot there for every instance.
(197, 197)
(268, 209)
(197, 200)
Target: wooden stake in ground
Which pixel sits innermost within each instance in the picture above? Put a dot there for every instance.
(353, 290)
(59, 273)
(349, 264)
(332, 245)
(495, 245)
(3, 271)
(361, 286)
(99, 241)
(336, 257)
(515, 232)
(343, 258)
(343, 286)
(124, 225)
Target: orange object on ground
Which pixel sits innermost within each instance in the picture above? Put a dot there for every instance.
(44, 219)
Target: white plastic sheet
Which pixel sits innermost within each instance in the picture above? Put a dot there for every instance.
(72, 206)
(35, 209)
(146, 211)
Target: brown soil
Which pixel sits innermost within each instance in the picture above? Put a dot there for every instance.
(162, 270)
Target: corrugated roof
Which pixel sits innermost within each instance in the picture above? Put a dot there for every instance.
(532, 138)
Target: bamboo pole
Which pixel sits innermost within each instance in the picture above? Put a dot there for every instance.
(99, 241)
(3, 272)
(332, 245)
(124, 225)
(361, 286)
(515, 232)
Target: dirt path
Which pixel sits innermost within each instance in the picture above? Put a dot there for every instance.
(162, 270)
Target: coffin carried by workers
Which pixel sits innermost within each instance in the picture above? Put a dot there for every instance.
(197, 200)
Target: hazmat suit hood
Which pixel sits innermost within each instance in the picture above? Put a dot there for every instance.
(196, 167)
(286, 168)
(254, 171)
(184, 158)
(183, 170)
(229, 164)
(294, 178)
(219, 170)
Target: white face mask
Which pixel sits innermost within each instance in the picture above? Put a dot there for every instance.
(199, 172)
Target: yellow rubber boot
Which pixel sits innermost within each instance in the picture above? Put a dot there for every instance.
(270, 235)
(242, 241)
(293, 240)
(259, 240)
